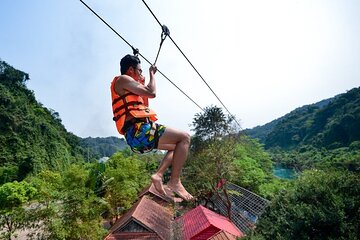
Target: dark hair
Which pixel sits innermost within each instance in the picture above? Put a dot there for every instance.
(128, 61)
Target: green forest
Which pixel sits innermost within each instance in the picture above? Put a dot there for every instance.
(52, 184)
(322, 135)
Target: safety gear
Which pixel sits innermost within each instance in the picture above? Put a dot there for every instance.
(126, 104)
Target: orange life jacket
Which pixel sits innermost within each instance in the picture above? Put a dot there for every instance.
(129, 103)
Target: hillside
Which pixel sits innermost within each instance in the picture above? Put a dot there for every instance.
(261, 132)
(331, 123)
(103, 147)
(32, 137)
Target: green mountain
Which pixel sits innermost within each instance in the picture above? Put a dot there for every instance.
(261, 132)
(32, 137)
(103, 147)
(331, 123)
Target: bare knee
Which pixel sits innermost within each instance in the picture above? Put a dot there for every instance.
(185, 138)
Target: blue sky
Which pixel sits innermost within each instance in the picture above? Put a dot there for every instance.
(263, 58)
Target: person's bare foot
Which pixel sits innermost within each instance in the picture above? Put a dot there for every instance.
(179, 189)
(157, 181)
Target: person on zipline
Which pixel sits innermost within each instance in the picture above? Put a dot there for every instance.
(136, 121)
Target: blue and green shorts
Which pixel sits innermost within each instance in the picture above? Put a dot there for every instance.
(144, 136)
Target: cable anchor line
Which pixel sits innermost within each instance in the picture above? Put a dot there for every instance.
(165, 32)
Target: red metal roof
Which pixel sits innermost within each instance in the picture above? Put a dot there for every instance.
(201, 221)
(149, 215)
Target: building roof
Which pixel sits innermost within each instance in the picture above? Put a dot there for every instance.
(222, 235)
(200, 218)
(147, 215)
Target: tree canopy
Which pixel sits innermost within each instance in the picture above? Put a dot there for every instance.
(32, 137)
(320, 205)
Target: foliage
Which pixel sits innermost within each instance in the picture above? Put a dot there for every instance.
(103, 147)
(224, 155)
(210, 124)
(10, 76)
(331, 123)
(212, 152)
(32, 137)
(67, 207)
(209, 166)
(308, 157)
(128, 176)
(320, 205)
(254, 169)
(81, 208)
(13, 197)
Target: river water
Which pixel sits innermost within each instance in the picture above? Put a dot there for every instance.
(283, 172)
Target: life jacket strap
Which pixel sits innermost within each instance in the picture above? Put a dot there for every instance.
(126, 105)
(122, 97)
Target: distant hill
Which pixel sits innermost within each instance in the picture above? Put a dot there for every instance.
(32, 136)
(330, 123)
(261, 132)
(103, 147)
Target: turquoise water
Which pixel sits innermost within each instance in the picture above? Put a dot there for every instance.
(283, 172)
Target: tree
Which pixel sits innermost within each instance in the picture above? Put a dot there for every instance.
(129, 177)
(219, 156)
(46, 216)
(320, 205)
(13, 197)
(67, 207)
(253, 166)
(212, 157)
(211, 124)
(208, 168)
(81, 215)
(32, 137)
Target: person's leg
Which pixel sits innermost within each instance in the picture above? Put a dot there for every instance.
(165, 163)
(181, 140)
(142, 137)
(157, 177)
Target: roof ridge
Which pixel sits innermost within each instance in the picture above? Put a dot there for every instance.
(137, 206)
(204, 213)
(209, 214)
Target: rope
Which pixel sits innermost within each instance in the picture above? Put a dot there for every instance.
(136, 52)
(231, 115)
(164, 34)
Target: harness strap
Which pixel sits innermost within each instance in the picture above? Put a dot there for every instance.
(122, 97)
(132, 103)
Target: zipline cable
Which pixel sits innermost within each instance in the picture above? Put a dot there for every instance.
(136, 52)
(232, 116)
